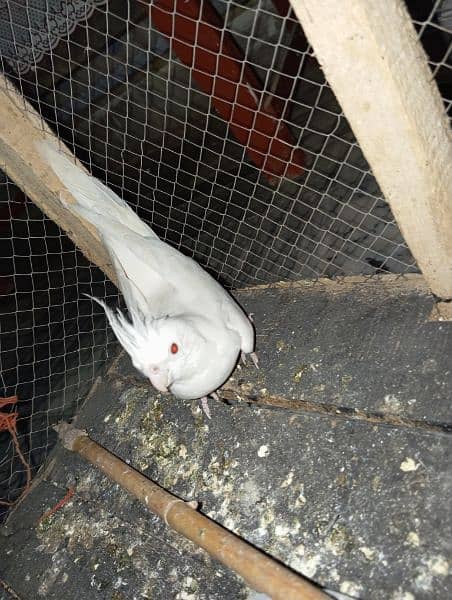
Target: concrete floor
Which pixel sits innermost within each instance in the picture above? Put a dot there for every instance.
(334, 458)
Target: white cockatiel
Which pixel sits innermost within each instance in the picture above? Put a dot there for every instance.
(186, 332)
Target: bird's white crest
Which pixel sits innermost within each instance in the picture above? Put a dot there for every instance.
(140, 337)
(132, 335)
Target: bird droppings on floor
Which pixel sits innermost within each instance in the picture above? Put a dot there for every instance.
(361, 508)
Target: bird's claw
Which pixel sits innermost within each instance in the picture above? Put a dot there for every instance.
(205, 403)
(205, 406)
(253, 357)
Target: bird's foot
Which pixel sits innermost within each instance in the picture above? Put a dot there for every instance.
(205, 406)
(205, 403)
(255, 359)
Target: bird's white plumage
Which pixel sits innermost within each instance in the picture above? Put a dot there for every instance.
(171, 299)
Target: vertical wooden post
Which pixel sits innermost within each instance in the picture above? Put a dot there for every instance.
(377, 68)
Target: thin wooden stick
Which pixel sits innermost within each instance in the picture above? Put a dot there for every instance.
(260, 572)
(5, 585)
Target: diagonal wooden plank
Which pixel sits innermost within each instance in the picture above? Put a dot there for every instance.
(21, 128)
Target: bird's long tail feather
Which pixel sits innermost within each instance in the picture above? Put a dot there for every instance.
(95, 201)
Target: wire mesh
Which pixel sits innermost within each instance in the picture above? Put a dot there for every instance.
(114, 86)
(52, 342)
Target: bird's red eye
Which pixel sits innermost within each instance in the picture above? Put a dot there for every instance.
(174, 348)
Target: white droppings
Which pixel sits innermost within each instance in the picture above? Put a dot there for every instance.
(392, 402)
(409, 464)
(351, 588)
(266, 518)
(119, 583)
(413, 539)
(107, 418)
(368, 552)
(423, 581)
(183, 451)
(183, 595)
(300, 499)
(300, 549)
(288, 480)
(263, 451)
(306, 565)
(334, 575)
(296, 526)
(438, 565)
(400, 594)
(282, 530)
(260, 534)
(189, 592)
(229, 523)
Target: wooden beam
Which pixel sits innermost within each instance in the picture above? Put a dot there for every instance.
(200, 40)
(377, 68)
(20, 128)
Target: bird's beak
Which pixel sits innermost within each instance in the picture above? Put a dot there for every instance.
(160, 381)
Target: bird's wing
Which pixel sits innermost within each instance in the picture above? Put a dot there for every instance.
(169, 282)
(140, 269)
(187, 289)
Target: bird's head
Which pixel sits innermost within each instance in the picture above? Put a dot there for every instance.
(164, 349)
(167, 351)
(185, 355)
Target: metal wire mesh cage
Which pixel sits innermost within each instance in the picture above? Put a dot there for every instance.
(214, 120)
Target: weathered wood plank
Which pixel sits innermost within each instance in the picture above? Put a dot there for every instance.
(20, 129)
